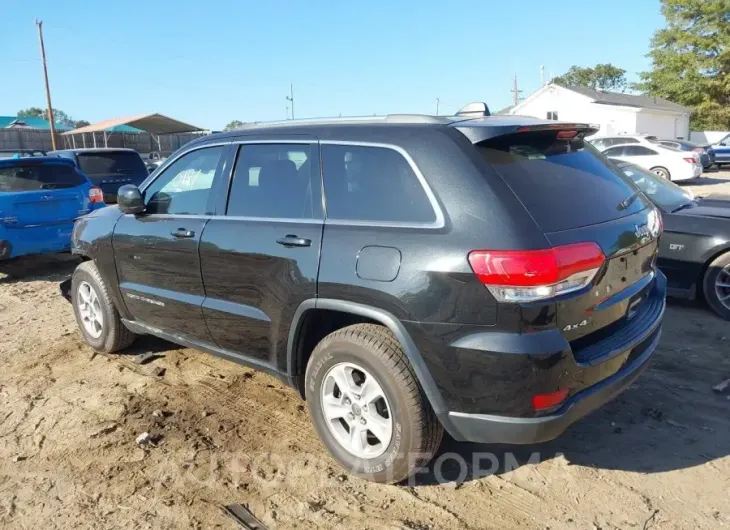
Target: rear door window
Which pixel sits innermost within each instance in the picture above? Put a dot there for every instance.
(638, 150)
(374, 184)
(279, 181)
(563, 183)
(39, 177)
(112, 162)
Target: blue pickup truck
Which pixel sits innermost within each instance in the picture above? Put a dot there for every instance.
(40, 197)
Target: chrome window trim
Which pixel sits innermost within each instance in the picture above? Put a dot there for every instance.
(439, 222)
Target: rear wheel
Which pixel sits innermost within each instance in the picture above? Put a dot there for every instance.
(98, 319)
(716, 286)
(367, 405)
(662, 172)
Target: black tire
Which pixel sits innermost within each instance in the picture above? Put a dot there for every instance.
(662, 172)
(416, 431)
(708, 285)
(114, 335)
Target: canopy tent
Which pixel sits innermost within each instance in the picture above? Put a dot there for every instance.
(155, 124)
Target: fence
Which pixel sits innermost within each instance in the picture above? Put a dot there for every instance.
(143, 142)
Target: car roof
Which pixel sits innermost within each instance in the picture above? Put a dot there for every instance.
(35, 161)
(475, 128)
(93, 150)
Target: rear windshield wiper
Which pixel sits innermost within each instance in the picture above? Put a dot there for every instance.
(628, 200)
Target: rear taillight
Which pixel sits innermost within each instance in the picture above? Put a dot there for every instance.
(529, 275)
(690, 159)
(95, 194)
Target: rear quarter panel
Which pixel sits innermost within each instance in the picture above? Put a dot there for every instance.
(688, 244)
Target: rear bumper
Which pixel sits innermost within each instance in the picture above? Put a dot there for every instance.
(487, 379)
(28, 240)
(486, 428)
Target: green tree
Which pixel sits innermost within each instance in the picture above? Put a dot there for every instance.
(80, 123)
(691, 61)
(602, 77)
(59, 116)
(233, 125)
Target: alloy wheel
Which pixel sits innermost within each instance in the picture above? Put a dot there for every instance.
(92, 317)
(722, 286)
(356, 410)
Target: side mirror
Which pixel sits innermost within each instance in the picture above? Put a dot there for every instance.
(129, 199)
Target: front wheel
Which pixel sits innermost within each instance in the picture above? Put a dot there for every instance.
(368, 406)
(716, 286)
(98, 320)
(661, 172)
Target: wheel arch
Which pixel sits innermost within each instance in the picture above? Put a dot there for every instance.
(376, 315)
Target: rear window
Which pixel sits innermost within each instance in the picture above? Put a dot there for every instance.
(41, 177)
(564, 184)
(111, 162)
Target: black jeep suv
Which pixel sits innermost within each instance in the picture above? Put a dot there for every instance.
(491, 276)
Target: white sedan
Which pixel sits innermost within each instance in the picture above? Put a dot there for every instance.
(670, 164)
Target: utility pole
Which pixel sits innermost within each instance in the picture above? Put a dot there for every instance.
(437, 106)
(290, 98)
(515, 92)
(39, 23)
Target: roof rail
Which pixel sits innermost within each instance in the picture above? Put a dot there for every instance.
(390, 118)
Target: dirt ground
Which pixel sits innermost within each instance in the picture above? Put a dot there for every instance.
(657, 457)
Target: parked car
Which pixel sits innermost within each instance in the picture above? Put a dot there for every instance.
(39, 200)
(668, 163)
(722, 151)
(491, 276)
(694, 252)
(108, 168)
(705, 152)
(154, 160)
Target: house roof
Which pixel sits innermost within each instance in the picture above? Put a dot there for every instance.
(627, 100)
(151, 123)
(11, 122)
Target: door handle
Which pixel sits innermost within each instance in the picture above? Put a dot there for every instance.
(291, 240)
(181, 233)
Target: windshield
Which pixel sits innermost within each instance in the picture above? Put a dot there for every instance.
(98, 163)
(663, 193)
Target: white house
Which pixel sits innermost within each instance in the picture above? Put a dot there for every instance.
(615, 113)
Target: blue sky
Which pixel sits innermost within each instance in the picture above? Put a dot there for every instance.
(210, 62)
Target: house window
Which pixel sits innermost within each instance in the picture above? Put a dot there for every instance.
(552, 115)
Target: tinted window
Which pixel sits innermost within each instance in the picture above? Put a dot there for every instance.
(111, 162)
(626, 141)
(614, 151)
(373, 184)
(184, 187)
(276, 180)
(40, 177)
(563, 183)
(638, 150)
(672, 145)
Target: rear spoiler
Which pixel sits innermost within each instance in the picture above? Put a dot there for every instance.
(480, 130)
